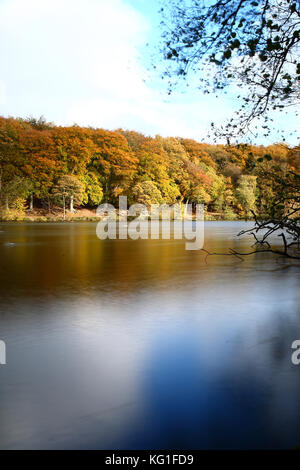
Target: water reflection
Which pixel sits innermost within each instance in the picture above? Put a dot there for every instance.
(194, 400)
(142, 344)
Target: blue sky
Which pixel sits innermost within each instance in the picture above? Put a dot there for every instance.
(85, 62)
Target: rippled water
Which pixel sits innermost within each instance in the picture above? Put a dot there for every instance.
(142, 344)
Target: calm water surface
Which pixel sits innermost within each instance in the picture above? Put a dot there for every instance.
(142, 344)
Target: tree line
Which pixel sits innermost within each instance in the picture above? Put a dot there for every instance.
(47, 166)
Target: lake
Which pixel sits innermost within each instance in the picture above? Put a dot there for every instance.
(142, 344)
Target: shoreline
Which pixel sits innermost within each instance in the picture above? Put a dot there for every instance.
(92, 217)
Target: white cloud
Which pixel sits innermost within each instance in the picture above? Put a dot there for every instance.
(56, 52)
(80, 61)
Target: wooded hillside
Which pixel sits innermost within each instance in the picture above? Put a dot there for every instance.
(45, 166)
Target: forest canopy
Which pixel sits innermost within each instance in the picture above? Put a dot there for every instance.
(47, 166)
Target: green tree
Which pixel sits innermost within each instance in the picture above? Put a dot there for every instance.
(41, 124)
(147, 193)
(15, 192)
(246, 193)
(93, 189)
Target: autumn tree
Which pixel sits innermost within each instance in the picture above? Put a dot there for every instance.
(39, 161)
(197, 152)
(195, 187)
(115, 162)
(75, 148)
(135, 139)
(69, 188)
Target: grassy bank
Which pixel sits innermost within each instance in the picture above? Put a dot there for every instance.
(81, 215)
(42, 215)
